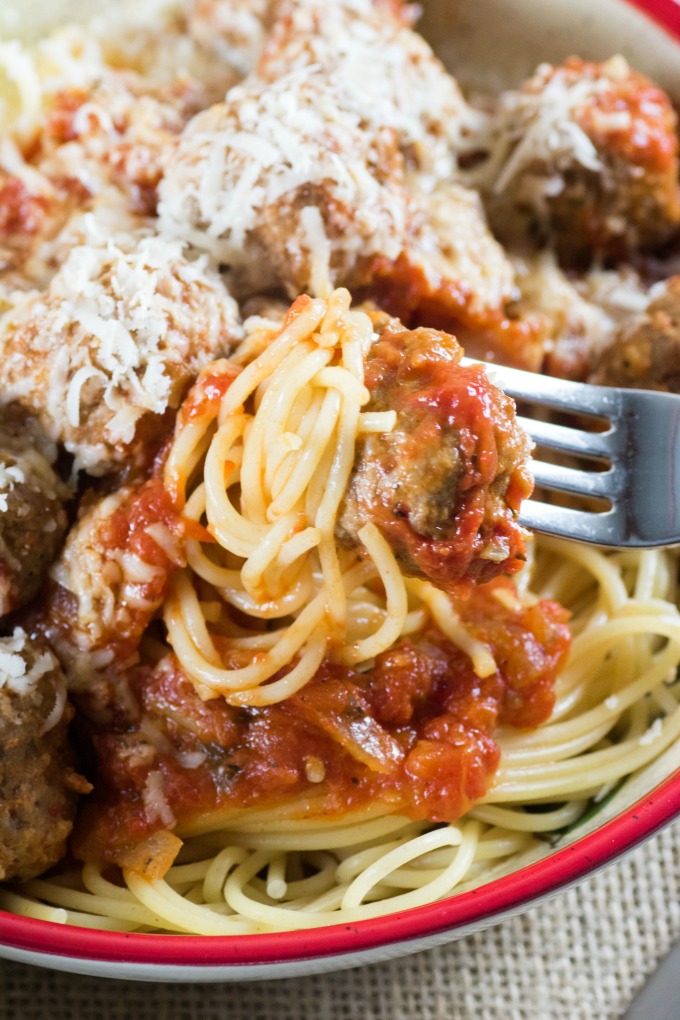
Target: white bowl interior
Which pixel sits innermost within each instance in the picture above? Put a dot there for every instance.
(497, 43)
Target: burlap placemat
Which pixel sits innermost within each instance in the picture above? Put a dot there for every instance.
(582, 956)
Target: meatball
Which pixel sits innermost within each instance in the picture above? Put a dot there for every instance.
(646, 351)
(584, 156)
(457, 243)
(33, 210)
(574, 327)
(454, 275)
(114, 133)
(38, 785)
(50, 203)
(282, 184)
(33, 520)
(109, 580)
(445, 485)
(104, 355)
(108, 131)
(382, 71)
(190, 54)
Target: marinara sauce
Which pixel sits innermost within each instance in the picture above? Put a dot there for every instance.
(413, 734)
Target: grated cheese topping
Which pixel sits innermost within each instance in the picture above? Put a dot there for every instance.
(118, 133)
(108, 583)
(405, 89)
(652, 733)
(14, 164)
(10, 474)
(155, 801)
(232, 30)
(85, 570)
(158, 740)
(455, 241)
(30, 77)
(244, 170)
(16, 675)
(166, 540)
(534, 135)
(620, 292)
(121, 328)
(576, 324)
(193, 51)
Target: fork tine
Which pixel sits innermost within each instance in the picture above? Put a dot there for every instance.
(564, 522)
(579, 398)
(604, 484)
(568, 440)
(639, 449)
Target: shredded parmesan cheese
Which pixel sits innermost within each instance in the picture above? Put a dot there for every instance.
(121, 329)
(535, 134)
(652, 733)
(245, 170)
(405, 88)
(155, 800)
(232, 30)
(15, 673)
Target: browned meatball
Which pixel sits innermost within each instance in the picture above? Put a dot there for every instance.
(454, 275)
(646, 352)
(38, 786)
(584, 156)
(105, 354)
(109, 580)
(382, 71)
(32, 516)
(445, 485)
(283, 185)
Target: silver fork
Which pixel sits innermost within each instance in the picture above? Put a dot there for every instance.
(628, 465)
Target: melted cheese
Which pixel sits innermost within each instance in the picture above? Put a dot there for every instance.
(106, 582)
(83, 570)
(155, 801)
(168, 542)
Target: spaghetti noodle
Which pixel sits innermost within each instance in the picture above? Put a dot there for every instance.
(266, 469)
(308, 392)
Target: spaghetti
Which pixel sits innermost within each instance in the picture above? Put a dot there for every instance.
(308, 392)
(617, 708)
(266, 469)
(299, 720)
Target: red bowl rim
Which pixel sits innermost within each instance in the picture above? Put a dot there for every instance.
(665, 12)
(510, 893)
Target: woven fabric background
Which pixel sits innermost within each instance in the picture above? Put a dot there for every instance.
(582, 956)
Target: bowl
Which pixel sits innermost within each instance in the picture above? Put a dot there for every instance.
(518, 35)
